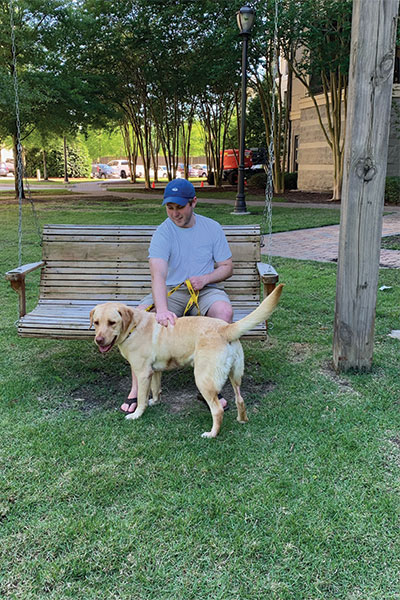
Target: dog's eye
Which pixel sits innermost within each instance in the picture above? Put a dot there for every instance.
(111, 323)
(96, 322)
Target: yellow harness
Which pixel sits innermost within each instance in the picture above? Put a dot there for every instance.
(194, 297)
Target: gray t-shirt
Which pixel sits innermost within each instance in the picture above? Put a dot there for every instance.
(189, 251)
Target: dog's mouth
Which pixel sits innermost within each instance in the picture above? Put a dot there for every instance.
(104, 348)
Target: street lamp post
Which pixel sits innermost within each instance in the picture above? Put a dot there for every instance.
(245, 20)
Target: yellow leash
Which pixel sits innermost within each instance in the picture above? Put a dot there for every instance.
(194, 297)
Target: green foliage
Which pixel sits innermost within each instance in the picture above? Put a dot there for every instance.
(392, 190)
(255, 126)
(104, 142)
(257, 181)
(78, 160)
(290, 181)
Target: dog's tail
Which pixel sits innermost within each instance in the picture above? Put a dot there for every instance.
(261, 313)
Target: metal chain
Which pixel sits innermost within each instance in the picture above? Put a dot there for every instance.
(20, 165)
(269, 188)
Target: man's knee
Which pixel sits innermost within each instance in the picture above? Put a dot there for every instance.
(221, 310)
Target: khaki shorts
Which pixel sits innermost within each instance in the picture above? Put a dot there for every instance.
(178, 300)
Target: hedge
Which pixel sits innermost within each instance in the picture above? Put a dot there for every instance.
(392, 190)
(78, 160)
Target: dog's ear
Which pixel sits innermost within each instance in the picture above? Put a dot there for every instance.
(91, 318)
(127, 315)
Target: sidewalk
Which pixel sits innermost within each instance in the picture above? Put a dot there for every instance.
(321, 243)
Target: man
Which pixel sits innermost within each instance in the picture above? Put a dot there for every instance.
(186, 246)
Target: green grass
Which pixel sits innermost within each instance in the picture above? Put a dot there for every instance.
(301, 503)
(40, 193)
(391, 242)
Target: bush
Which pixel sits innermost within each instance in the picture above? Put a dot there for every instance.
(79, 164)
(392, 190)
(257, 181)
(290, 181)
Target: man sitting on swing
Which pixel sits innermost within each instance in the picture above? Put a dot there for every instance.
(189, 248)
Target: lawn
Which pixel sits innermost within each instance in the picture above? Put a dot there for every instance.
(391, 242)
(38, 193)
(300, 503)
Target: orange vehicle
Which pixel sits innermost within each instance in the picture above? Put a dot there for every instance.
(231, 160)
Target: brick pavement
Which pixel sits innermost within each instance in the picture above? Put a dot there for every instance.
(321, 243)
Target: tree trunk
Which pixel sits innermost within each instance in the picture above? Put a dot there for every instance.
(45, 176)
(18, 169)
(66, 180)
(128, 149)
(373, 44)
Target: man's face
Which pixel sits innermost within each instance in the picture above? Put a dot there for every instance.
(182, 216)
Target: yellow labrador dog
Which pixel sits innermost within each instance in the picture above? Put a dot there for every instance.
(210, 345)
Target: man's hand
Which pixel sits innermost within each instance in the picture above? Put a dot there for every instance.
(199, 282)
(165, 317)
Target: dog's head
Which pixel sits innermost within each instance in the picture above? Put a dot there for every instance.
(111, 323)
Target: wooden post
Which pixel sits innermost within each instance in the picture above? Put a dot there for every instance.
(373, 41)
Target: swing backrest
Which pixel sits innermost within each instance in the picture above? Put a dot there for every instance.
(109, 262)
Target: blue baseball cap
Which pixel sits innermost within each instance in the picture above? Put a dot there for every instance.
(179, 191)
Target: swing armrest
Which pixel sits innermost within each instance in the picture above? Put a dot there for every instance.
(16, 277)
(22, 271)
(268, 276)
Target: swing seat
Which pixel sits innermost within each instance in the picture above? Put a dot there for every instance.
(84, 265)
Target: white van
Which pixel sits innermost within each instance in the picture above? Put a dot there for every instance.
(120, 168)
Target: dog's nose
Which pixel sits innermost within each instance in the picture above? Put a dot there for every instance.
(99, 340)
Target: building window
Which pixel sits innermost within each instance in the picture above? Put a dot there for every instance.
(396, 76)
(296, 154)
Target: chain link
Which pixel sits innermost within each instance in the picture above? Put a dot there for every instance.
(20, 165)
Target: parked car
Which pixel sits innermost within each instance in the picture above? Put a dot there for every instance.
(10, 165)
(180, 171)
(102, 171)
(199, 171)
(120, 168)
(3, 169)
(162, 172)
(140, 171)
(193, 170)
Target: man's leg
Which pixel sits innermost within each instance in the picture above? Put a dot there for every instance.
(221, 310)
(130, 407)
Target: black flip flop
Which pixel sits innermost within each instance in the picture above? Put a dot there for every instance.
(129, 412)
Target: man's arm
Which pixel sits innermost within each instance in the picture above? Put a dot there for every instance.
(223, 270)
(159, 271)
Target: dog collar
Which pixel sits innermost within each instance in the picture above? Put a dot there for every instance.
(129, 333)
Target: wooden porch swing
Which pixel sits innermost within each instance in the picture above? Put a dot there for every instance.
(83, 265)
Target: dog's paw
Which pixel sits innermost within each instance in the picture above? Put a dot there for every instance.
(134, 415)
(153, 401)
(242, 421)
(208, 434)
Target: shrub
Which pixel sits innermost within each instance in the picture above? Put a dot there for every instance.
(257, 181)
(290, 181)
(392, 190)
(78, 161)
